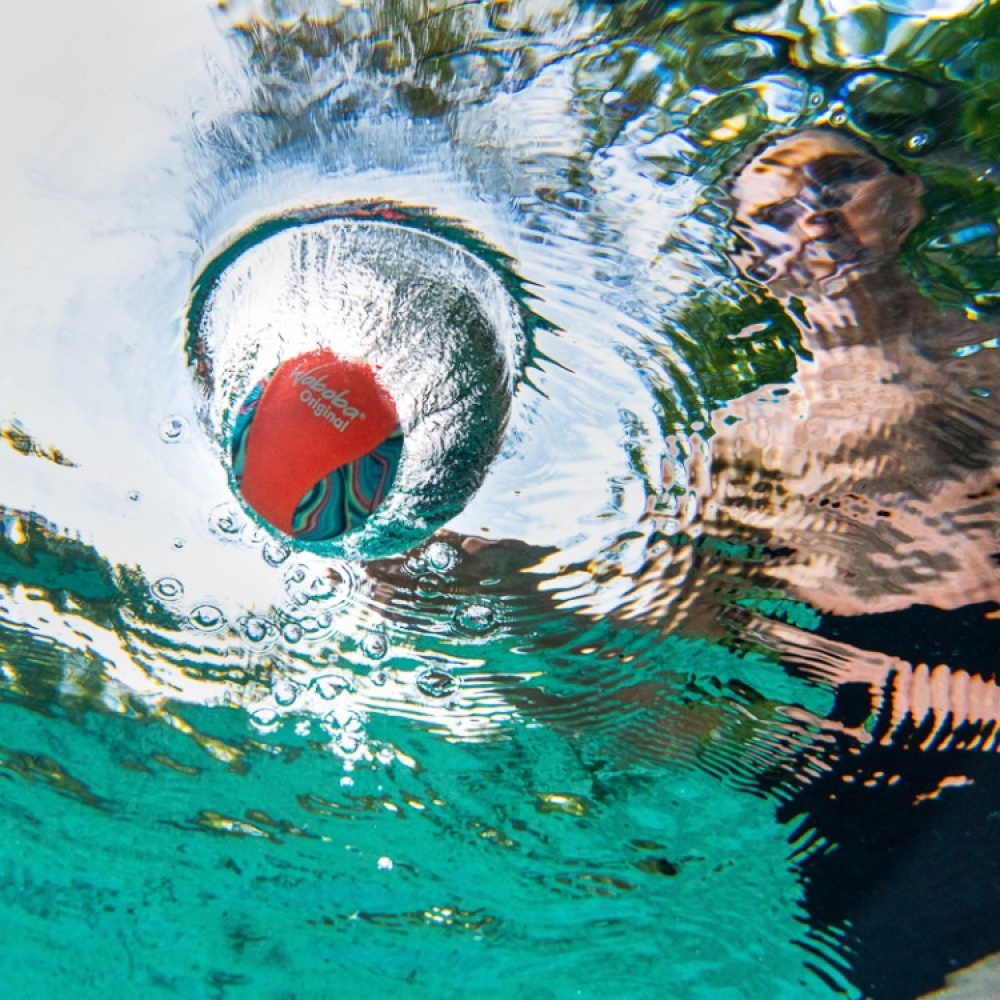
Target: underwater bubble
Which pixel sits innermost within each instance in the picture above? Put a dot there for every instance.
(292, 633)
(440, 556)
(207, 618)
(253, 534)
(348, 745)
(167, 589)
(334, 587)
(135, 496)
(374, 645)
(436, 683)
(179, 543)
(378, 677)
(265, 718)
(918, 142)
(172, 429)
(476, 618)
(257, 630)
(225, 522)
(274, 553)
(285, 691)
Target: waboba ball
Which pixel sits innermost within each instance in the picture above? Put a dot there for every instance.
(385, 285)
(315, 447)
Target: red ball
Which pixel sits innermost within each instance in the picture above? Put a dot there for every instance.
(316, 446)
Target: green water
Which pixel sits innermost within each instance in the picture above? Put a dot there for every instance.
(266, 881)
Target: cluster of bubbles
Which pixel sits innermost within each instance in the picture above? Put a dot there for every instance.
(317, 662)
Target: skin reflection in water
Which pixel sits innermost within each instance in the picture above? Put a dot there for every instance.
(878, 467)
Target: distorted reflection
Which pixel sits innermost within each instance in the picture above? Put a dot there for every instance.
(865, 486)
(878, 466)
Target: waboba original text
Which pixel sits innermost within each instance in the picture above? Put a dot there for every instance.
(328, 404)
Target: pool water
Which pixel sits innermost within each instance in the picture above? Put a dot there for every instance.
(688, 689)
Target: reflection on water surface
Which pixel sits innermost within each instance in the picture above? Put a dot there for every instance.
(696, 692)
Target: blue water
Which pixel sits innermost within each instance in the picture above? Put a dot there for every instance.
(621, 743)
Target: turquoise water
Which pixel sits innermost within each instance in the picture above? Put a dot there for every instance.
(272, 879)
(600, 734)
